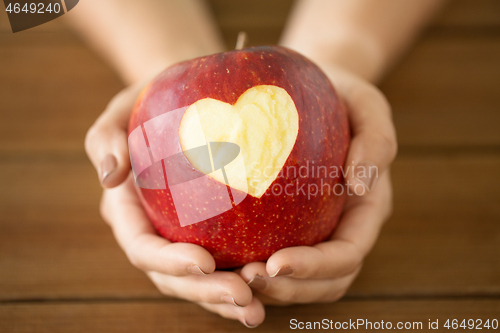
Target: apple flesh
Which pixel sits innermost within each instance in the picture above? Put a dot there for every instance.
(290, 129)
(263, 123)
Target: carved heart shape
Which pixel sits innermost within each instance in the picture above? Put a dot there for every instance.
(263, 122)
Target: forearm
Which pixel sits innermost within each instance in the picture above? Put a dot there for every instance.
(362, 36)
(139, 38)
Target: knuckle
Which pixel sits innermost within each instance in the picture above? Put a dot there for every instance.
(103, 209)
(158, 282)
(116, 101)
(315, 270)
(356, 259)
(389, 142)
(390, 205)
(134, 259)
(385, 200)
(133, 256)
(90, 137)
(163, 288)
(289, 296)
(337, 295)
(355, 264)
(333, 295)
(231, 279)
(382, 101)
(376, 97)
(220, 311)
(379, 99)
(388, 137)
(206, 297)
(392, 145)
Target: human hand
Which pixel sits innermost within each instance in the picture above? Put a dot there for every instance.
(324, 272)
(318, 280)
(179, 270)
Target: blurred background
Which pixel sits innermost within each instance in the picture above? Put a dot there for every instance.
(438, 256)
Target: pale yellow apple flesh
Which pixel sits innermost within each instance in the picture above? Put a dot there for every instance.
(263, 122)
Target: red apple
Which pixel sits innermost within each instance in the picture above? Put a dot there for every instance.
(241, 152)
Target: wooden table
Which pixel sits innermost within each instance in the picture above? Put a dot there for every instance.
(437, 258)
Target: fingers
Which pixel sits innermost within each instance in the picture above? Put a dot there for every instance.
(374, 144)
(353, 239)
(146, 250)
(364, 217)
(216, 288)
(290, 290)
(330, 259)
(177, 269)
(150, 252)
(106, 141)
(251, 315)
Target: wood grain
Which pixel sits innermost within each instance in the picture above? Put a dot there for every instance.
(53, 243)
(437, 258)
(442, 240)
(444, 237)
(464, 14)
(445, 92)
(53, 88)
(271, 15)
(177, 316)
(264, 20)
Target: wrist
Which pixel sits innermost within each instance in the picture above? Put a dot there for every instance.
(353, 51)
(144, 66)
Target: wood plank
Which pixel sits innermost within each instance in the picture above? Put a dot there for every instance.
(445, 92)
(444, 236)
(443, 239)
(272, 15)
(470, 14)
(444, 83)
(264, 20)
(53, 88)
(53, 243)
(56, 25)
(177, 316)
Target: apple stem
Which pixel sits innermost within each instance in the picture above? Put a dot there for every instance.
(241, 40)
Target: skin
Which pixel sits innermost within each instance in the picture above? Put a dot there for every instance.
(354, 42)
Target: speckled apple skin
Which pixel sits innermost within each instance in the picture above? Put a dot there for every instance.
(257, 227)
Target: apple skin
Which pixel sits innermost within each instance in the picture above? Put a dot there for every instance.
(257, 227)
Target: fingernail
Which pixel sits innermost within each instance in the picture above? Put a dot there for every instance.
(258, 282)
(283, 271)
(248, 325)
(366, 172)
(195, 269)
(108, 165)
(229, 300)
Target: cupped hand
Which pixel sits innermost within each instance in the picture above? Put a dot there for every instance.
(181, 270)
(321, 273)
(324, 272)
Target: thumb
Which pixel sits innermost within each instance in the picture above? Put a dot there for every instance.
(106, 141)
